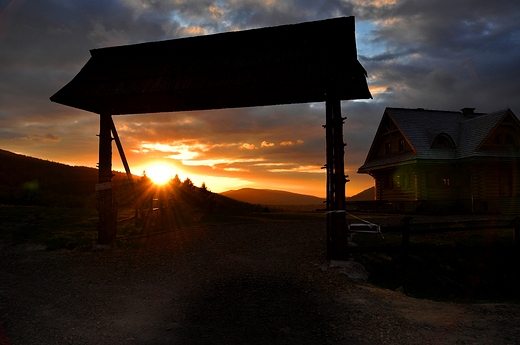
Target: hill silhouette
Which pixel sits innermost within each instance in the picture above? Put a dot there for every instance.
(367, 194)
(33, 181)
(27, 180)
(271, 197)
(279, 198)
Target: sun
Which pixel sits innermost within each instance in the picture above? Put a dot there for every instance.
(160, 173)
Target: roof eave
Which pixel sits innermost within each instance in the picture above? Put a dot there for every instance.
(118, 80)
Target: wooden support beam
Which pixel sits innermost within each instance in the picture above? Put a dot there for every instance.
(121, 153)
(138, 208)
(341, 239)
(330, 178)
(337, 241)
(106, 208)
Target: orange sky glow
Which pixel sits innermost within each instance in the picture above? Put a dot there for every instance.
(263, 148)
(237, 159)
(433, 56)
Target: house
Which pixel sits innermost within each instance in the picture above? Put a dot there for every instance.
(451, 161)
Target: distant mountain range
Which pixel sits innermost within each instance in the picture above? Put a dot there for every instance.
(277, 197)
(367, 194)
(27, 180)
(271, 197)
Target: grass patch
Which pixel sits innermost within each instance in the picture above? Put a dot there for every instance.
(279, 216)
(59, 228)
(51, 226)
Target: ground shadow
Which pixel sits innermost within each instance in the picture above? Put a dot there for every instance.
(259, 310)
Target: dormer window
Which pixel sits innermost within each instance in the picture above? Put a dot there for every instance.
(443, 141)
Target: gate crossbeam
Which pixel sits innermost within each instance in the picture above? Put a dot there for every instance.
(287, 64)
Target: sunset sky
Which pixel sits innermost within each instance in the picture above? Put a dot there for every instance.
(430, 54)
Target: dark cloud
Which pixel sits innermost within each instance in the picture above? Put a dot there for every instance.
(443, 54)
(431, 54)
(43, 138)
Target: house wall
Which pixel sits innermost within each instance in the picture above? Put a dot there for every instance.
(429, 182)
(396, 184)
(444, 182)
(496, 187)
(486, 181)
(483, 187)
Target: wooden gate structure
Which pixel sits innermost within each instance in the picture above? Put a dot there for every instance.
(288, 64)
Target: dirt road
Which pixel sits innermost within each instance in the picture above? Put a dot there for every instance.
(267, 283)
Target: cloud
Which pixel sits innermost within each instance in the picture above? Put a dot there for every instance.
(300, 169)
(47, 138)
(236, 169)
(246, 146)
(421, 53)
(427, 46)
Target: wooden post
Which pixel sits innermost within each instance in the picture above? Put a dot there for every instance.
(405, 249)
(330, 179)
(106, 209)
(406, 233)
(337, 246)
(516, 232)
(340, 180)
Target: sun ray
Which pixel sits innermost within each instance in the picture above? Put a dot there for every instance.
(160, 173)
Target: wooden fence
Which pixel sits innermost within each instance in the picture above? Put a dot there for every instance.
(406, 230)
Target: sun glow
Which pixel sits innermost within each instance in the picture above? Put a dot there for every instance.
(160, 173)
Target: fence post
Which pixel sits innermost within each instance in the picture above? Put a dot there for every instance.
(406, 233)
(405, 238)
(516, 232)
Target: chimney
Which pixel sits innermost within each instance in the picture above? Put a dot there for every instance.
(468, 112)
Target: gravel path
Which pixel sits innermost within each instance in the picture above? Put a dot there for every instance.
(267, 283)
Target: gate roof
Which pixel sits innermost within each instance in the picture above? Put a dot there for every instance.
(286, 64)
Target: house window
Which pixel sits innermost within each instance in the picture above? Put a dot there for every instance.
(398, 181)
(388, 148)
(443, 141)
(406, 181)
(504, 139)
(505, 184)
(509, 140)
(431, 180)
(437, 180)
(400, 144)
(387, 182)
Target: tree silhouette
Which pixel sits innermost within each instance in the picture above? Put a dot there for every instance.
(207, 202)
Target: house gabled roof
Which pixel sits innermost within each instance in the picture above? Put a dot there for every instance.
(420, 128)
(418, 125)
(479, 130)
